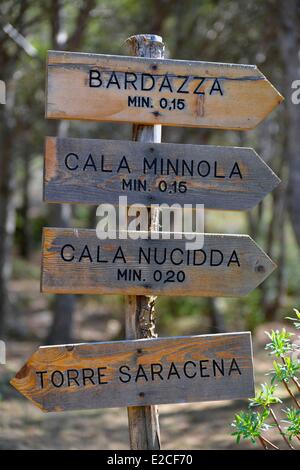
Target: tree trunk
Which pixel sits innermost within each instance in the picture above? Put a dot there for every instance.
(289, 44)
(64, 304)
(217, 321)
(7, 209)
(25, 232)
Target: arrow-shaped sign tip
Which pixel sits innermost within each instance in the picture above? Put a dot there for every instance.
(23, 382)
(263, 265)
(270, 98)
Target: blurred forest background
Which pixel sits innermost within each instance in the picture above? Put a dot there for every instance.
(265, 33)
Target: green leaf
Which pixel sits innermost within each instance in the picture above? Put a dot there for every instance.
(249, 425)
(296, 320)
(265, 396)
(280, 343)
(293, 422)
(285, 371)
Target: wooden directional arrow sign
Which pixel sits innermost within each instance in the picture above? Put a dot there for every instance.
(99, 171)
(140, 372)
(76, 261)
(157, 91)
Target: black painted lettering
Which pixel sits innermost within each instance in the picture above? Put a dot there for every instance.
(85, 254)
(141, 374)
(236, 171)
(145, 102)
(101, 375)
(123, 165)
(146, 80)
(203, 168)
(216, 172)
(173, 371)
(199, 85)
(99, 259)
(122, 370)
(187, 168)
(216, 258)
(129, 274)
(140, 185)
(122, 274)
(216, 87)
(126, 184)
(218, 367)
(67, 163)
(119, 255)
(57, 383)
(171, 166)
(234, 259)
(175, 252)
(90, 163)
(156, 372)
(143, 255)
(70, 379)
(201, 261)
(166, 84)
(187, 365)
(130, 79)
(41, 374)
(132, 101)
(113, 80)
(94, 79)
(103, 169)
(203, 368)
(150, 166)
(234, 367)
(181, 88)
(163, 258)
(88, 375)
(64, 256)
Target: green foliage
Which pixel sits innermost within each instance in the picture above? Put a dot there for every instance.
(280, 342)
(293, 423)
(286, 371)
(250, 425)
(265, 396)
(296, 321)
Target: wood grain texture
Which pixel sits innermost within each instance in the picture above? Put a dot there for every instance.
(76, 261)
(139, 311)
(215, 95)
(90, 171)
(139, 372)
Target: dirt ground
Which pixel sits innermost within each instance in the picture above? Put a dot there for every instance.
(189, 426)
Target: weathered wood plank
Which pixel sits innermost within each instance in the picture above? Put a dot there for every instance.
(139, 372)
(157, 91)
(76, 261)
(90, 171)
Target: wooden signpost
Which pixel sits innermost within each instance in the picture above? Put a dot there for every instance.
(143, 421)
(138, 372)
(170, 92)
(149, 91)
(76, 261)
(90, 171)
